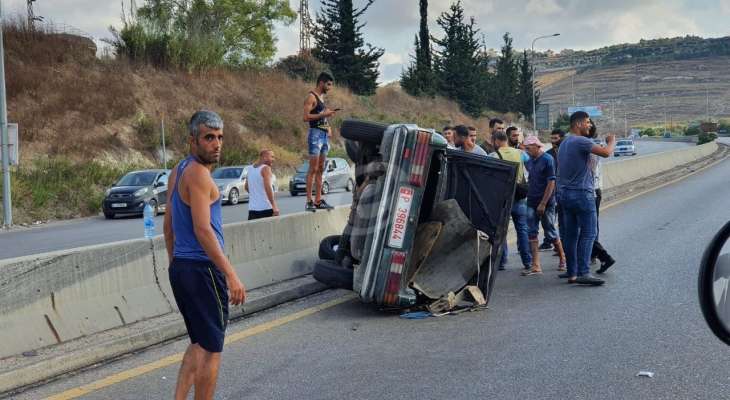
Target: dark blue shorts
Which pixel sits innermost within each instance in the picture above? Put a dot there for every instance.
(201, 295)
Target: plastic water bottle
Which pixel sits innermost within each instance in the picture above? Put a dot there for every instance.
(149, 221)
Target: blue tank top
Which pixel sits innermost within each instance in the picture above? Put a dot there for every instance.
(186, 244)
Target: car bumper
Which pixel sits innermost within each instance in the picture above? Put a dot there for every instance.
(123, 206)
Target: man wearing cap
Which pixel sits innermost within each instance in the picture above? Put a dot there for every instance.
(202, 279)
(541, 203)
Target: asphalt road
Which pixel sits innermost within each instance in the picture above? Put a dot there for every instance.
(540, 338)
(97, 230)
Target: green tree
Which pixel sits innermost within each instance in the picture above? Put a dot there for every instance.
(524, 92)
(419, 79)
(562, 122)
(506, 82)
(201, 33)
(339, 44)
(458, 61)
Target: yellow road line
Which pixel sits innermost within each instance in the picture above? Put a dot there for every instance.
(176, 358)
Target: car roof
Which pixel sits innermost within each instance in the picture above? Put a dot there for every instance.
(148, 170)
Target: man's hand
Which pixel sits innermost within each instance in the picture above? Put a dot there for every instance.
(276, 211)
(610, 139)
(328, 113)
(540, 209)
(236, 290)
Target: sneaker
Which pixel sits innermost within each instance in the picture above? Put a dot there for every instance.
(322, 205)
(606, 265)
(545, 246)
(589, 280)
(310, 206)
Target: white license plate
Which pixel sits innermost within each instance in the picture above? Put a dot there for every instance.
(119, 205)
(400, 221)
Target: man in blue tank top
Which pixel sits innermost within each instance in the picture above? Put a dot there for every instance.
(316, 114)
(201, 276)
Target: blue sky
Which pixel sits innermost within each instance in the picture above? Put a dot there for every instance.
(392, 24)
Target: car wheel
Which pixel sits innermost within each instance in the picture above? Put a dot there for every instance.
(328, 247)
(371, 132)
(155, 207)
(350, 185)
(108, 215)
(233, 197)
(332, 274)
(353, 150)
(616, 155)
(294, 194)
(325, 187)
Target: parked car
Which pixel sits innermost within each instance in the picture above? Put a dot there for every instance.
(624, 147)
(336, 175)
(410, 187)
(130, 193)
(231, 180)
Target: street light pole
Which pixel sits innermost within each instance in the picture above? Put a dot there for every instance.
(534, 112)
(7, 204)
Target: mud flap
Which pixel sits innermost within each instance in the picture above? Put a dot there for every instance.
(455, 257)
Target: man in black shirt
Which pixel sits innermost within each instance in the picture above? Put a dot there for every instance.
(316, 114)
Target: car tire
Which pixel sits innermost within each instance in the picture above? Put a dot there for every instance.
(233, 197)
(370, 132)
(333, 275)
(325, 187)
(327, 250)
(108, 215)
(350, 185)
(294, 194)
(155, 207)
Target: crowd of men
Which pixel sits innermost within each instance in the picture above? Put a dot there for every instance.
(558, 189)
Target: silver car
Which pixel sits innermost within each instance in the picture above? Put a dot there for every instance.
(337, 174)
(231, 180)
(624, 147)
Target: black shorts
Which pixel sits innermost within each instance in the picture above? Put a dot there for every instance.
(201, 295)
(260, 214)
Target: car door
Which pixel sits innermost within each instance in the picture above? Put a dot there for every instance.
(343, 172)
(161, 188)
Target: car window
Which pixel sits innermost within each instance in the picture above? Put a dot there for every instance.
(334, 164)
(625, 143)
(137, 179)
(227, 173)
(163, 178)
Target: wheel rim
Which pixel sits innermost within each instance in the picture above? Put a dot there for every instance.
(233, 196)
(325, 188)
(350, 185)
(153, 203)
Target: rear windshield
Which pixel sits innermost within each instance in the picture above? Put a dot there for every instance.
(137, 179)
(625, 143)
(227, 173)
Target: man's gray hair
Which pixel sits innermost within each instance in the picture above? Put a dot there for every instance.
(204, 117)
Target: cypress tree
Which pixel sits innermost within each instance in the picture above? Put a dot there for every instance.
(506, 79)
(418, 78)
(339, 43)
(524, 93)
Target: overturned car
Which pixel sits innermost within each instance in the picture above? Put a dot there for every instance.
(425, 221)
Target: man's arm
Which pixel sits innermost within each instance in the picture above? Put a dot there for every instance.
(546, 196)
(167, 226)
(605, 151)
(199, 198)
(267, 175)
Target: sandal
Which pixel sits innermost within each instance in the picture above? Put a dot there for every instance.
(562, 268)
(531, 272)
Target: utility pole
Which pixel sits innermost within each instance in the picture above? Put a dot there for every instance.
(7, 201)
(572, 87)
(164, 151)
(534, 111)
(31, 15)
(305, 28)
(626, 125)
(707, 94)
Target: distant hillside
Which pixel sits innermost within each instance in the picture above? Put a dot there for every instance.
(644, 93)
(646, 51)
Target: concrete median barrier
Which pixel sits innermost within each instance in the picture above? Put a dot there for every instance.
(617, 174)
(52, 298)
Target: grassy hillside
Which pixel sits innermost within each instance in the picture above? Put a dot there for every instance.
(84, 121)
(644, 93)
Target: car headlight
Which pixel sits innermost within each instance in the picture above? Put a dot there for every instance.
(140, 192)
(108, 191)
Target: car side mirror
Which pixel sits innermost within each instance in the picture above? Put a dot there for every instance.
(159, 184)
(714, 284)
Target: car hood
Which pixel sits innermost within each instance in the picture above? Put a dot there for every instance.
(300, 177)
(221, 182)
(125, 189)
